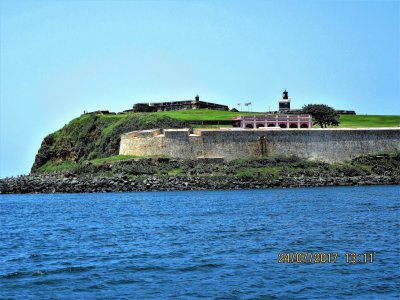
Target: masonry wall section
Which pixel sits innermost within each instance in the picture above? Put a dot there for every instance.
(322, 144)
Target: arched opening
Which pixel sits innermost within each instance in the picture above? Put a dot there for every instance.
(304, 126)
(293, 126)
(260, 125)
(271, 125)
(282, 125)
(249, 126)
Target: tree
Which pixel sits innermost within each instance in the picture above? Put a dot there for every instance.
(322, 114)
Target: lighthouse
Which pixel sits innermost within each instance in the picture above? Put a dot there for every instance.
(284, 103)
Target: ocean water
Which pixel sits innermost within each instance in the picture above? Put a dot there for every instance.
(201, 244)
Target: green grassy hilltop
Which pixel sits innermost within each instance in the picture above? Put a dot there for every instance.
(204, 114)
(351, 121)
(95, 137)
(346, 121)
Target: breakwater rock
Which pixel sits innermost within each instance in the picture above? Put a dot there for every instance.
(123, 183)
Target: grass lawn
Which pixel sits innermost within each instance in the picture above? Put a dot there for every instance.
(99, 161)
(205, 114)
(51, 167)
(346, 121)
(351, 121)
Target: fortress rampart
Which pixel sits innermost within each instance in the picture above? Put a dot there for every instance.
(323, 144)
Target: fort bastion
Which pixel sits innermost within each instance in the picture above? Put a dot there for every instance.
(328, 145)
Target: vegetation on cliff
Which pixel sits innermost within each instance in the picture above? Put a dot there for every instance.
(249, 168)
(127, 174)
(92, 137)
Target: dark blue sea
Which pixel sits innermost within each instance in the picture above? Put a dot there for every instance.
(202, 244)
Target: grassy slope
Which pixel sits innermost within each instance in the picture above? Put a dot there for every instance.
(90, 137)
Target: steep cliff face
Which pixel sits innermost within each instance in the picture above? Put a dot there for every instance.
(95, 136)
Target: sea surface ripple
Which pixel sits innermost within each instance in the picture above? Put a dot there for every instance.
(200, 244)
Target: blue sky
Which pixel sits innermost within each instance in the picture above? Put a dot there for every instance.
(59, 58)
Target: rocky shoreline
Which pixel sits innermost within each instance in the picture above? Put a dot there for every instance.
(32, 184)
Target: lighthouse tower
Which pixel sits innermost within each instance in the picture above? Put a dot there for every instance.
(284, 103)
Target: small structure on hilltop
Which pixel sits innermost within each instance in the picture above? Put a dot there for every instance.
(98, 112)
(282, 121)
(177, 105)
(345, 112)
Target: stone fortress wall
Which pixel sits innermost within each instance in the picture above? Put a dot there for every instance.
(323, 144)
